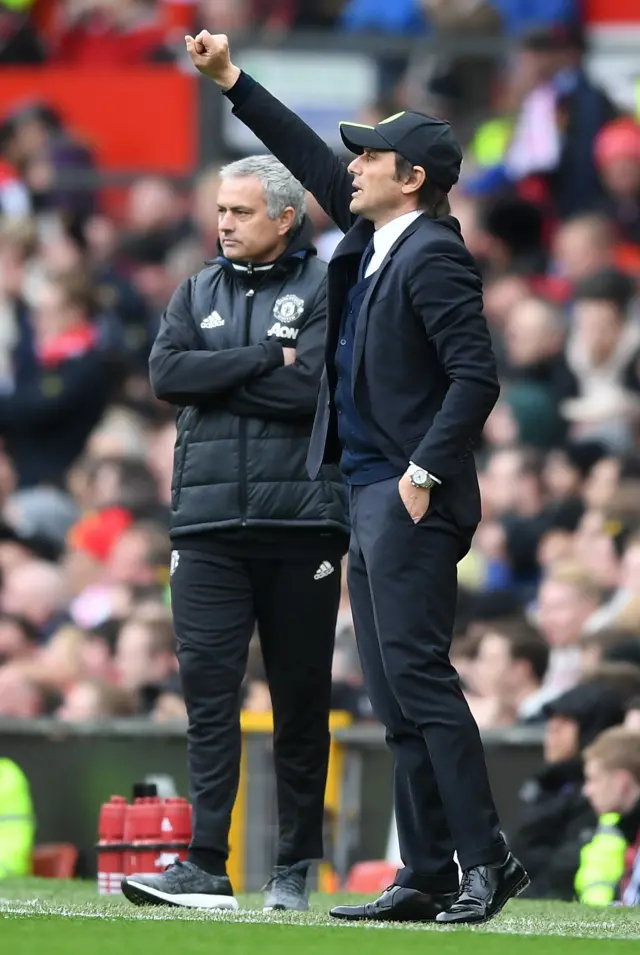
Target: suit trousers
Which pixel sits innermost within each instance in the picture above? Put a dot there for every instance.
(403, 589)
(217, 601)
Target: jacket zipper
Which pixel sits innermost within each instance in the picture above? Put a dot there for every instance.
(244, 490)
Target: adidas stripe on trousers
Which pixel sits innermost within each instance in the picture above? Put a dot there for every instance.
(217, 602)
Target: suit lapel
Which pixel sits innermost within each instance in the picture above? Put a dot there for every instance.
(363, 317)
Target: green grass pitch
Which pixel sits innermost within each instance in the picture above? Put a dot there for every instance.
(45, 917)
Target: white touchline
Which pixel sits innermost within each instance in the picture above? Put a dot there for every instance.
(505, 926)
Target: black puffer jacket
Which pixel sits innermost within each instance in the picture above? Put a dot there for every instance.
(245, 418)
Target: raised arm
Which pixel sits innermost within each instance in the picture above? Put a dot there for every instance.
(294, 143)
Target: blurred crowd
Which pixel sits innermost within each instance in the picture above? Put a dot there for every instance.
(126, 32)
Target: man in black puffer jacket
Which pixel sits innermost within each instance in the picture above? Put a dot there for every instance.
(240, 351)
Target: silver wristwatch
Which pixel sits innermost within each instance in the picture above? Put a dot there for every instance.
(421, 478)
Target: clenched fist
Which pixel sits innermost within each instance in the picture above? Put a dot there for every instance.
(210, 55)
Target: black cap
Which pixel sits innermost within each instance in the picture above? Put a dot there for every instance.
(424, 140)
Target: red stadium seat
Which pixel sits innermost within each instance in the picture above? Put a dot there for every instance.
(56, 860)
(366, 878)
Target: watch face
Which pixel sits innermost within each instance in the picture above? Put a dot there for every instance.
(420, 478)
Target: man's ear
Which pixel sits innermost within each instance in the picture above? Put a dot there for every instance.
(415, 182)
(286, 220)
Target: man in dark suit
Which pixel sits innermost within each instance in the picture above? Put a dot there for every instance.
(409, 382)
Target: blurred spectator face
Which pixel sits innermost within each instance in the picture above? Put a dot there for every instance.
(81, 570)
(608, 789)
(562, 479)
(598, 327)
(153, 204)
(169, 708)
(601, 483)
(595, 548)
(30, 140)
(128, 562)
(133, 654)
(632, 719)
(205, 200)
(583, 246)
(20, 697)
(92, 700)
(561, 739)
(562, 612)
(54, 311)
(17, 640)
(555, 546)
(533, 67)
(35, 591)
(493, 666)
(101, 235)
(617, 152)
(82, 704)
(630, 570)
(246, 231)
(509, 487)
(97, 662)
(137, 662)
(501, 428)
(501, 296)
(62, 254)
(622, 177)
(228, 15)
(533, 333)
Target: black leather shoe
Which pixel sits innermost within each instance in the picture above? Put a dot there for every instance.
(397, 904)
(485, 890)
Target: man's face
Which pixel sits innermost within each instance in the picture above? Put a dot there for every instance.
(377, 192)
(247, 234)
(604, 788)
(531, 334)
(562, 612)
(598, 326)
(561, 739)
(133, 661)
(622, 177)
(14, 644)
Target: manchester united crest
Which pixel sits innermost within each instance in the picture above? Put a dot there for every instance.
(288, 308)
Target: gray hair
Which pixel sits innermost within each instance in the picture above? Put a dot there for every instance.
(281, 189)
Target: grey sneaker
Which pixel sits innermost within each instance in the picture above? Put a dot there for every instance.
(181, 884)
(287, 888)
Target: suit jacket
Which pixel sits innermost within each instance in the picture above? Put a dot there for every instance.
(424, 375)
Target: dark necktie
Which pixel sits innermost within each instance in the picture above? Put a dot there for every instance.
(367, 255)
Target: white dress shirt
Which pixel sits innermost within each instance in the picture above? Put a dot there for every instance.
(386, 237)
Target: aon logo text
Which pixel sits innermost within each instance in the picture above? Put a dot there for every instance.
(283, 331)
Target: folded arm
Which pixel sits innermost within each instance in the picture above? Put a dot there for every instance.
(291, 391)
(183, 373)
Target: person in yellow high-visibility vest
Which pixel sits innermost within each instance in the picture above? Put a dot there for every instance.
(17, 822)
(612, 774)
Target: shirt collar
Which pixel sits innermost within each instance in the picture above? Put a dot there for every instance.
(387, 236)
